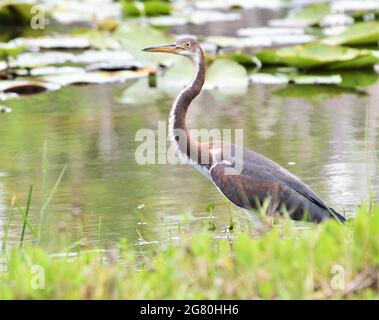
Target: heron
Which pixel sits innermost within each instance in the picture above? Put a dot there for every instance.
(249, 181)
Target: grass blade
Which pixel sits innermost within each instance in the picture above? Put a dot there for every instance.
(25, 217)
(47, 201)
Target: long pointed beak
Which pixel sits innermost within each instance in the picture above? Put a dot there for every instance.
(170, 48)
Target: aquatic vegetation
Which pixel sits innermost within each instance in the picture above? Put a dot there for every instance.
(329, 261)
(361, 33)
(317, 55)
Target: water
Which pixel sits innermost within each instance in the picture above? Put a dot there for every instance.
(317, 133)
(323, 142)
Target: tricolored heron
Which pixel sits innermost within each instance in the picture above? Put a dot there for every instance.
(258, 178)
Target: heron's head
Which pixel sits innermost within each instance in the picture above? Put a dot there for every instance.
(183, 46)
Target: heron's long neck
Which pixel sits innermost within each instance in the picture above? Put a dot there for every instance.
(178, 131)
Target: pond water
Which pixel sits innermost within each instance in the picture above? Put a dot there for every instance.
(328, 137)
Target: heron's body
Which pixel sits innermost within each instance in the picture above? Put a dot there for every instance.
(246, 180)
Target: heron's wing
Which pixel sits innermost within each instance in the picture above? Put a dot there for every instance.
(247, 192)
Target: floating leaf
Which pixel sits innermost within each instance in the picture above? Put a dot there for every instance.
(358, 79)
(176, 77)
(95, 77)
(130, 37)
(26, 87)
(131, 9)
(268, 78)
(230, 4)
(168, 21)
(234, 42)
(360, 33)
(303, 79)
(36, 59)
(201, 17)
(309, 16)
(115, 66)
(43, 71)
(241, 58)
(86, 11)
(319, 55)
(11, 48)
(316, 79)
(228, 76)
(95, 56)
(157, 8)
(140, 93)
(59, 42)
(223, 74)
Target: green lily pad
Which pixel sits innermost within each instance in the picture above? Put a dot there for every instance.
(135, 37)
(139, 93)
(227, 75)
(241, 58)
(358, 34)
(309, 16)
(157, 8)
(131, 9)
(358, 79)
(223, 74)
(176, 77)
(317, 55)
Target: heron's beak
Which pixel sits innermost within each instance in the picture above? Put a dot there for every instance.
(170, 48)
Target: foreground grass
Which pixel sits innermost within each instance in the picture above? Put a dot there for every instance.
(329, 261)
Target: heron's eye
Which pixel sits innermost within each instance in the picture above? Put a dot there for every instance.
(187, 44)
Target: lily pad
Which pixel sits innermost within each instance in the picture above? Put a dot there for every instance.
(26, 87)
(36, 59)
(222, 74)
(246, 4)
(310, 16)
(301, 79)
(317, 55)
(268, 78)
(59, 42)
(232, 42)
(243, 59)
(139, 93)
(96, 56)
(358, 79)
(206, 16)
(227, 75)
(94, 77)
(157, 8)
(358, 34)
(86, 11)
(130, 37)
(316, 79)
(11, 48)
(44, 71)
(176, 77)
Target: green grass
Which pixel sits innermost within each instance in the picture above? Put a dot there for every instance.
(329, 261)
